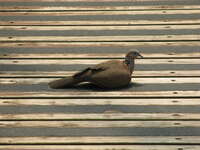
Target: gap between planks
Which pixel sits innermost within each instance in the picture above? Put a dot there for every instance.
(80, 0)
(93, 13)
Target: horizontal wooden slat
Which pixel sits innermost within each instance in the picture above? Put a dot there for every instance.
(101, 22)
(64, 8)
(93, 61)
(146, 27)
(98, 124)
(96, 55)
(102, 140)
(99, 147)
(107, 115)
(94, 44)
(73, 102)
(101, 38)
(83, 13)
(167, 73)
(135, 80)
(65, 94)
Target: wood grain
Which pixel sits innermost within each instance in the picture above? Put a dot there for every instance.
(96, 55)
(104, 94)
(136, 27)
(92, 61)
(32, 81)
(98, 124)
(107, 22)
(103, 140)
(40, 74)
(101, 38)
(92, 102)
(95, 44)
(99, 147)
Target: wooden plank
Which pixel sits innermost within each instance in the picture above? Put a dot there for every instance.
(98, 124)
(99, 147)
(91, 102)
(146, 27)
(104, 94)
(102, 140)
(88, 8)
(94, 44)
(40, 74)
(83, 13)
(96, 55)
(92, 61)
(5, 81)
(101, 38)
(101, 22)
(107, 115)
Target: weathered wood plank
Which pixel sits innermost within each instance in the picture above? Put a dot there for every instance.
(5, 81)
(101, 38)
(107, 115)
(99, 147)
(96, 55)
(161, 73)
(146, 27)
(83, 13)
(105, 94)
(93, 61)
(108, 22)
(98, 124)
(102, 140)
(73, 102)
(95, 44)
(88, 8)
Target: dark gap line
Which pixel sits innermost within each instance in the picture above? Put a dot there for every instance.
(88, 144)
(93, 10)
(105, 25)
(35, 77)
(100, 97)
(148, 120)
(103, 41)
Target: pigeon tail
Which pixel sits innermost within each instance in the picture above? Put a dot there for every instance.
(64, 83)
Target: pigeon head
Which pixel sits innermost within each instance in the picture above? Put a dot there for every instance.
(130, 57)
(133, 54)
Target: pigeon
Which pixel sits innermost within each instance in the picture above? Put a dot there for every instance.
(109, 74)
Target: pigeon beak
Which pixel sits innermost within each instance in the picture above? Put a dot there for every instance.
(140, 56)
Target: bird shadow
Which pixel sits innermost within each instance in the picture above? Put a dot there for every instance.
(93, 87)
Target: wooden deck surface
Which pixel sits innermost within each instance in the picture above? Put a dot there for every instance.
(43, 40)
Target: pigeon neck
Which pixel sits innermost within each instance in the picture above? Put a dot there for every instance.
(130, 62)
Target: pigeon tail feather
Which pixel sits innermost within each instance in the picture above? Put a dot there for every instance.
(64, 83)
